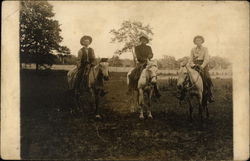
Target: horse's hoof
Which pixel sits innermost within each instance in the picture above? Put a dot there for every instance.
(141, 117)
(98, 116)
(150, 116)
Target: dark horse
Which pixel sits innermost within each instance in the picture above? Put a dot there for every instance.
(97, 74)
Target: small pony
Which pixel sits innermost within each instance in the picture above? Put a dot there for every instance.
(190, 81)
(97, 74)
(145, 86)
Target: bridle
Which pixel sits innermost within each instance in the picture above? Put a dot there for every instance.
(189, 80)
(151, 78)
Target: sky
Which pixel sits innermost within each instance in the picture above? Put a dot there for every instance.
(174, 25)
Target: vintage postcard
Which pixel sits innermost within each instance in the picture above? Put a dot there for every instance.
(125, 80)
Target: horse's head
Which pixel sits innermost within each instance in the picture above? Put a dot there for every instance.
(152, 69)
(104, 69)
(182, 77)
(183, 74)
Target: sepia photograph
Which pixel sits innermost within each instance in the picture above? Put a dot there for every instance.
(126, 80)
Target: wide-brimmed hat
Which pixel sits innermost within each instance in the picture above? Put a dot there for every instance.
(84, 38)
(144, 37)
(200, 37)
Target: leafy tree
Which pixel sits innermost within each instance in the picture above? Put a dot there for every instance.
(64, 52)
(128, 35)
(39, 33)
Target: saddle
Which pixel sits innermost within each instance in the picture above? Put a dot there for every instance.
(135, 76)
(204, 79)
(84, 73)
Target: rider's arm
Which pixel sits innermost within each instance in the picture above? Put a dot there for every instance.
(137, 54)
(79, 57)
(92, 57)
(206, 58)
(150, 54)
(191, 59)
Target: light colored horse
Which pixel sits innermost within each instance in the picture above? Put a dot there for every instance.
(191, 82)
(145, 86)
(96, 76)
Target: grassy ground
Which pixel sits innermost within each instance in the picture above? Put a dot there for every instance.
(49, 131)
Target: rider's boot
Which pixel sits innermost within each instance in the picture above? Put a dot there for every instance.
(210, 97)
(103, 92)
(180, 94)
(157, 92)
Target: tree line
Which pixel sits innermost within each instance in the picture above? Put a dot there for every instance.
(170, 62)
(40, 40)
(39, 34)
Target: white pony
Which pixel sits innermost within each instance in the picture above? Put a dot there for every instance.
(191, 82)
(145, 86)
(97, 74)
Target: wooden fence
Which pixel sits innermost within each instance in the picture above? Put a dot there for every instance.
(163, 73)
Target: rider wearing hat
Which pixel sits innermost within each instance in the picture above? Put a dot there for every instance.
(85, 60)
(199, 59)
(143, 53)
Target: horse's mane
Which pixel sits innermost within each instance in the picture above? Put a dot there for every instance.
(151, 63)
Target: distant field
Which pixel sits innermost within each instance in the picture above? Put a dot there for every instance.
(48, 130)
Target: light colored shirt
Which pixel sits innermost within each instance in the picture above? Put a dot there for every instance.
(199, 54)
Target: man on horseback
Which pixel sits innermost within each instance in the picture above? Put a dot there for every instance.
(199, 59)
(143, 53)
(85, 61)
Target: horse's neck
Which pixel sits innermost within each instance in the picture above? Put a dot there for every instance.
(94, 72)
(144, 77)
(193, 74)
(144, 73)
(96, 69)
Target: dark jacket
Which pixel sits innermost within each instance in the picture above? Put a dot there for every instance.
(84, 58)
(143, 52)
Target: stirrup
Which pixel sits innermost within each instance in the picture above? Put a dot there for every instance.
(103, 93)
(157, 95)
(211, 100)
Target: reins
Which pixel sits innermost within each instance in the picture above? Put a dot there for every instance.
(149, 81)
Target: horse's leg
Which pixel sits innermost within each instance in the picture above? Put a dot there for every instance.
(77, 103)
(207, 113)
(190, 110)
(141, 103)
(200, 107)
(136, 100)
(94, 102)
(150, 93)
(205, 107)
(97, 115)
(132, 101)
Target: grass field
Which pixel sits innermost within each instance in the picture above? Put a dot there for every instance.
(49, 131)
